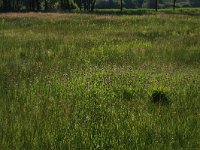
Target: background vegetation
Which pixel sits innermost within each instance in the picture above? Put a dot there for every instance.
(90, 5)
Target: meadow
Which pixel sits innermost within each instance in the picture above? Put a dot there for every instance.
(85, 81)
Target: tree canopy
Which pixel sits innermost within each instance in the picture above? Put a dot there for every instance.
(89, 5)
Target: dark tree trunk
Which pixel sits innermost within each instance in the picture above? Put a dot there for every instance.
(174, 5)
(46, 6)
(93, 4)
(30, 5)
(110, 3)
(38, 5)
(80, 7)
(156, 5)
(18, 5)
(4, 5)
(140, 3)
(61, 4)
(7, 5)
(121, 5)
(33, 5)
(68, 5)
(89, 2)
(85, 5)
(79, 3)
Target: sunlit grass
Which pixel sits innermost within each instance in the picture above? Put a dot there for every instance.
(85, 81)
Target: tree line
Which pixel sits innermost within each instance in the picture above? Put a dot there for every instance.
(86, 5)
(45, 5)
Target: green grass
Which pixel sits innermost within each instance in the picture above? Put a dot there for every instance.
(84, 81)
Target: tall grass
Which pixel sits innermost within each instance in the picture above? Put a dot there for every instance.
(80, 81)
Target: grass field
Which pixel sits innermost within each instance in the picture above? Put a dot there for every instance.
(85, 81)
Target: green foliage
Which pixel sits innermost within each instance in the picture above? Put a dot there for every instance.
(195, 3)
(82, 81)
(87, 5)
